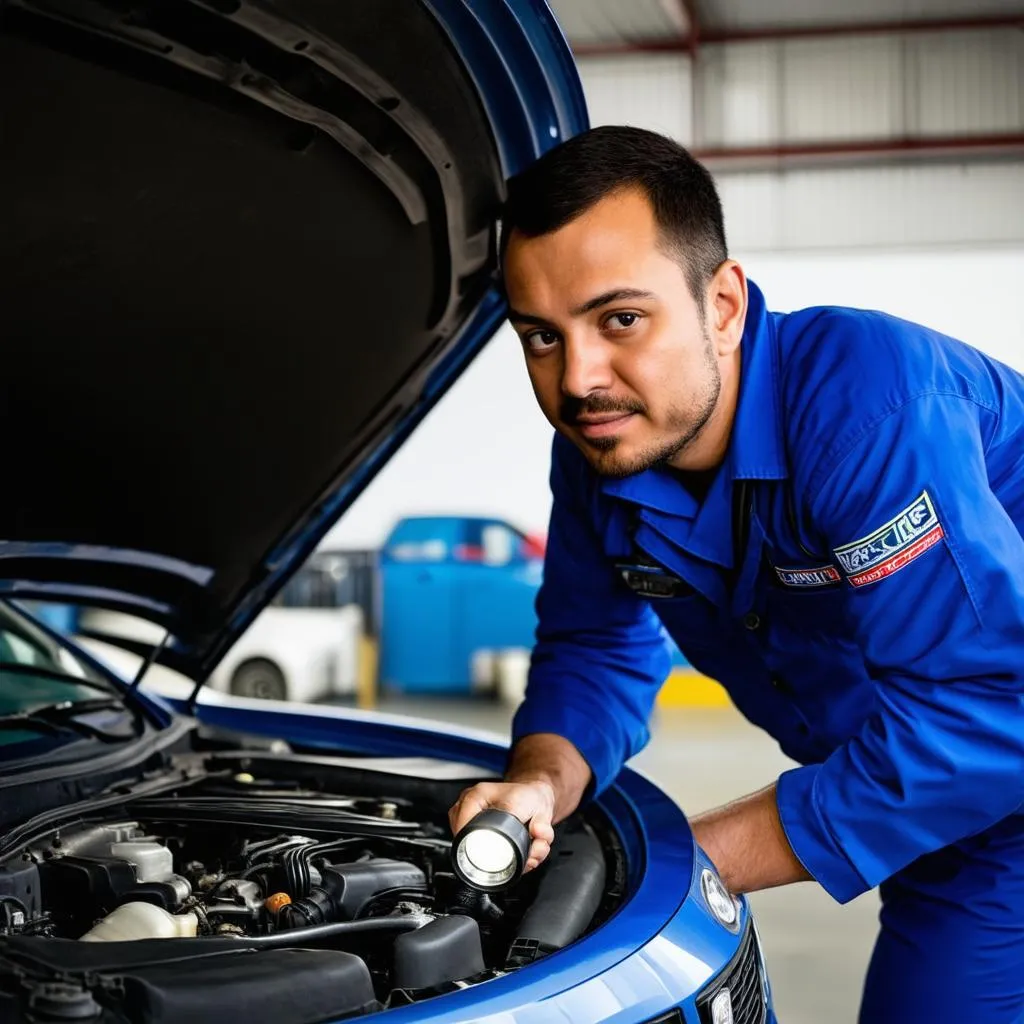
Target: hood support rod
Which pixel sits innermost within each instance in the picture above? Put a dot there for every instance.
(147, 664)
(193, 698)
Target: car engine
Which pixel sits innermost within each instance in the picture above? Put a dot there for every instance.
(289, 880)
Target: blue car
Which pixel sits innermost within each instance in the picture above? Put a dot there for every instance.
(248, 244)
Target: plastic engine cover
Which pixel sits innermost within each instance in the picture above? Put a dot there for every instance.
(302, 986)
(445, 950)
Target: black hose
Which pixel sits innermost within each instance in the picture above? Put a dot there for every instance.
(296, 872)
(315, 816)
(569, 893)
(316, 934)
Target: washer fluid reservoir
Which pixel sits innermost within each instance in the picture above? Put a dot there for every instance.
(141, 921)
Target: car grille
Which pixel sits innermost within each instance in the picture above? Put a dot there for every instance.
(742, 977)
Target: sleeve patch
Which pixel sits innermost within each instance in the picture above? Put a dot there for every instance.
(906, 536)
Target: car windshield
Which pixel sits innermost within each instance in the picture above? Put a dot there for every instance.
(37, 671)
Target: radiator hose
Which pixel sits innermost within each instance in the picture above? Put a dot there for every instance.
(567, 898)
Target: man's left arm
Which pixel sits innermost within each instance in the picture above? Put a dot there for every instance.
(936, 568)
(747, 844)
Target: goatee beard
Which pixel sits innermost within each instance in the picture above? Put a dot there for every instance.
(601, 450)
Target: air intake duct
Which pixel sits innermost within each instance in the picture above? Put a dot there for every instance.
(346, 888)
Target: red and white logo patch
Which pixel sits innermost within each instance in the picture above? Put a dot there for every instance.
(894, 546)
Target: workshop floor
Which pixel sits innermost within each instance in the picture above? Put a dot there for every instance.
(817, 951)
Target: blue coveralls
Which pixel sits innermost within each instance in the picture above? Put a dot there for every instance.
(874, 625)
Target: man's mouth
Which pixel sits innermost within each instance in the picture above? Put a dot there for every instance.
(603, 424)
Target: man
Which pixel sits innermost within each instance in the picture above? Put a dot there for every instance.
(825, 511)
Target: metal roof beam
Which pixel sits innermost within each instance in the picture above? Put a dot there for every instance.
(705, 34)
(843, 151)
(685, 16)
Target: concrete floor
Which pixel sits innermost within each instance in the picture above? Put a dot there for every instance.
(817, 951)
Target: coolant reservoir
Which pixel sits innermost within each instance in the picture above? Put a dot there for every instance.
(142, 921)
(153, 862)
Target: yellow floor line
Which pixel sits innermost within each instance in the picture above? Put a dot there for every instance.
(686, 688)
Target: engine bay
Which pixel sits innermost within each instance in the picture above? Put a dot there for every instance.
(321, 890)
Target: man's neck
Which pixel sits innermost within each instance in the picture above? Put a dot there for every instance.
(698, 482)
(707, 452)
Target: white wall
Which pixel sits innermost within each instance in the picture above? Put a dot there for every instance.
(818, 91)
(650, 90)
(940, 243)
(867, 87)
(485, 448)
(907, 205)
(975, 294)
(919, 85)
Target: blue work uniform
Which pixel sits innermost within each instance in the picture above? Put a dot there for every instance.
(868, 613)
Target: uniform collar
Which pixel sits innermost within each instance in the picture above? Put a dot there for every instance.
(756, 451)
(756, 448)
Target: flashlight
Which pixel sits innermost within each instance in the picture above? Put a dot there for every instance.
(490, 852)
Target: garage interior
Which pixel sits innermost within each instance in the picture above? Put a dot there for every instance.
(869, 155)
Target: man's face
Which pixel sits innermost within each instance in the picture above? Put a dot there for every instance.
(617, 349)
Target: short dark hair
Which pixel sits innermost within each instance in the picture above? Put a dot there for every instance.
(575, 175)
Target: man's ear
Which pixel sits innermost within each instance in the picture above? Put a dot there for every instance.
(726, 304)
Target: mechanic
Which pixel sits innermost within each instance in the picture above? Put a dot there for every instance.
(824, 509)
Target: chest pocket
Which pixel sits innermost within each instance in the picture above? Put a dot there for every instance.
(692, 621)
(810, 611)
(799, 589)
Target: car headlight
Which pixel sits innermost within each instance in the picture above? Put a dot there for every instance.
(721, 1008)
(723, 907)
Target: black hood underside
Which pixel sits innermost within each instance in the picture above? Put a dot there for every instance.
(237, 237)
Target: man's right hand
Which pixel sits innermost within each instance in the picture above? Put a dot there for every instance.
(531, 802)
(546, 780)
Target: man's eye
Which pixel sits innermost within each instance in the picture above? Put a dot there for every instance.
(622, 321)
(540, 341)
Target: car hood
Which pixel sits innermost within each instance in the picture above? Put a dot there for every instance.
(248, 246)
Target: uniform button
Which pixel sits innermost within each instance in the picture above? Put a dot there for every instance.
(780, 684)
(752, 620)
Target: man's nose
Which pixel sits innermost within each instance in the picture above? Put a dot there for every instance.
(587, 368)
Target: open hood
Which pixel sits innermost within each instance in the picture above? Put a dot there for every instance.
(247, 245)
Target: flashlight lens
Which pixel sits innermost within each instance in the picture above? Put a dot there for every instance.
(489, 851)
(486, 858)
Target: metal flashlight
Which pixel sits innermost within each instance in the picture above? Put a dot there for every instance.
(490, 852)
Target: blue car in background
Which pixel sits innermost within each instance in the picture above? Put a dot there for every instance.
(248, 246)
(457, 603)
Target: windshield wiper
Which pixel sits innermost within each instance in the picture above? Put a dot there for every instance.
(66, 716)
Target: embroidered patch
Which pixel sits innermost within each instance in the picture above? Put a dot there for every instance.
(821, 576)
(887, 550)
